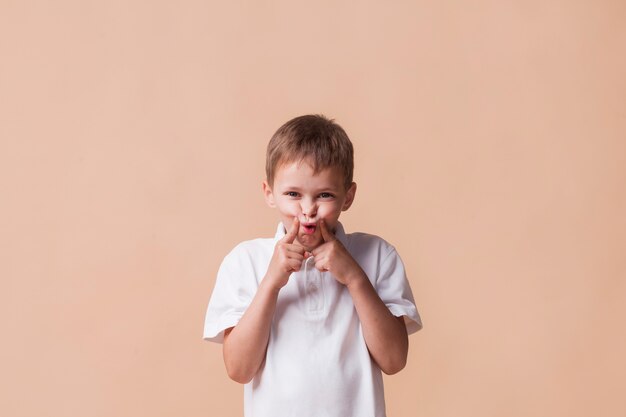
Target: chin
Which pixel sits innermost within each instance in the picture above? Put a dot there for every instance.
(310, 242)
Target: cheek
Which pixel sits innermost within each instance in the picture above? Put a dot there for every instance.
(329, 211)
(288, 208)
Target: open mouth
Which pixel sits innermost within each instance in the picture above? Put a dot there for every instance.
(309, 228)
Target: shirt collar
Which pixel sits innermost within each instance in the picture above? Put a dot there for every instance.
(340, 233)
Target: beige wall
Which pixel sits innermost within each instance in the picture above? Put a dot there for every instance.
(490, 149)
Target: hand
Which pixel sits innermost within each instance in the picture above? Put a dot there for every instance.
(287, 258)
(332, 256)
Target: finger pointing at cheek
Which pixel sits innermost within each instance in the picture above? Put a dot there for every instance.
(291, 235)
(326, 234)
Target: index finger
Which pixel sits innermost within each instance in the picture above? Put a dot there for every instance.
(291, 235)
(326, 234)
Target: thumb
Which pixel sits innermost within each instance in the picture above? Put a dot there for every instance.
(326, 234)
(291, 235)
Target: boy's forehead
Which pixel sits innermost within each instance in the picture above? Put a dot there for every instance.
(303, 169)
(304, 165)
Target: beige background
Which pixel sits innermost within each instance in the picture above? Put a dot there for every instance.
(490, 149)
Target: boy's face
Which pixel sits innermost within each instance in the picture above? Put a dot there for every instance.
(297, 192)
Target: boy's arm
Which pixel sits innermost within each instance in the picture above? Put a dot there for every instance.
(385, 334)
(245, 344)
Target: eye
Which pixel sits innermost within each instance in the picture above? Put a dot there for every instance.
(291, 194)
(326, 195)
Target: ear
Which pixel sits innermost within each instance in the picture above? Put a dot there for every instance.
(349, 197)
(268, 194)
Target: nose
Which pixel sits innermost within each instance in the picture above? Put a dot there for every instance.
(309, 209)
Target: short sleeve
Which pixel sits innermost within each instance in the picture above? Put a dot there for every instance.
(393, 288)
(235, 287)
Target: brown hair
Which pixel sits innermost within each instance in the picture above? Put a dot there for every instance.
(314, 138)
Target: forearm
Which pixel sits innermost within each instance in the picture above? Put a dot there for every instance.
(245, 345)
(385, 334)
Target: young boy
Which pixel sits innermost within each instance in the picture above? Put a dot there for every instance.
(310, 318)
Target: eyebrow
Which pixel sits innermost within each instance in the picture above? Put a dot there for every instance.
(321, 190)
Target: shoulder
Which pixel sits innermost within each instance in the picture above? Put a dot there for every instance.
(377, 257)
(247, 261)
(366, 244)
(252, 249)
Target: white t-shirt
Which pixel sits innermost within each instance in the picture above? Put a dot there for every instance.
(317, 363)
